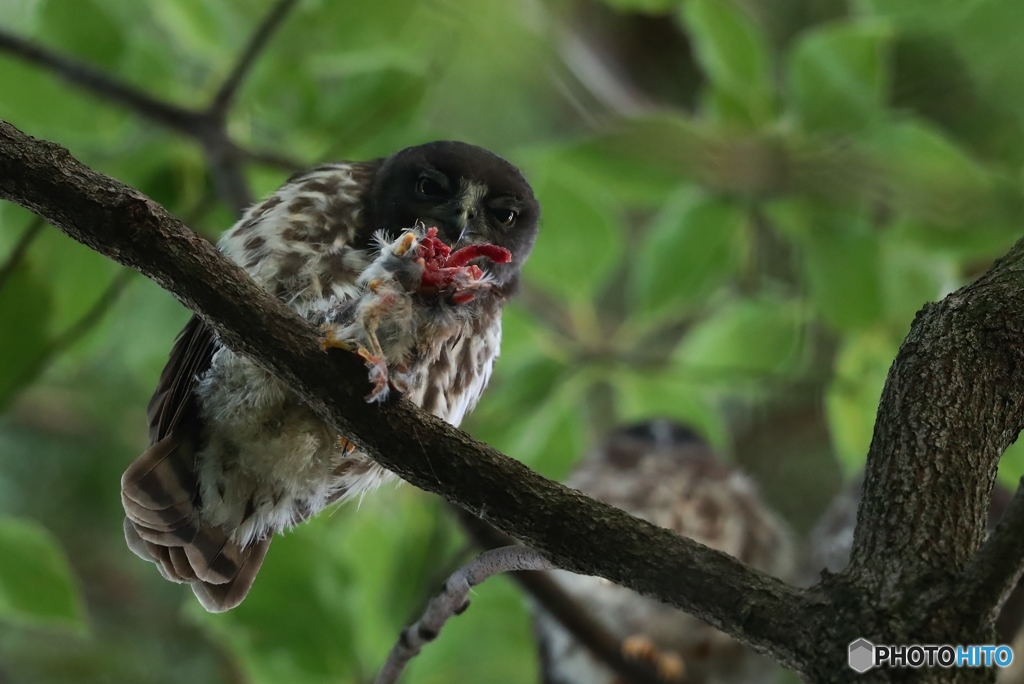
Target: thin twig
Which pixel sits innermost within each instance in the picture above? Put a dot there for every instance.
(222, 100)
(101, 84)
(35, 227)
(273, 159)
(453, 600)
(228, 174)
(573, 616)
(62, 342)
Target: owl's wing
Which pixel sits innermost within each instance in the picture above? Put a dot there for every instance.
(160, 491)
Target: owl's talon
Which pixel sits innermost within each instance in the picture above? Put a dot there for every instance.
(345, 446)
(670, 666)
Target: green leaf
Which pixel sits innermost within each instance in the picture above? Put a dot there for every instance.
(580, 240)
(989, 38)
(840, 260)
(838, 76)
(36, 585)
(644, 6)
(693, 246)
(932, 179)
(25, 306)
(672, 393)
(746, 340)
(911, 277)
(733, 53)
(621, 164)
(83, 28)
(295, 620)
(918, 15)
(861, 367)
(1011, 465)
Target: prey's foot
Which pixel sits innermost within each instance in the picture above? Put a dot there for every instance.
(330, 340)
(378, 366)
(670, 666)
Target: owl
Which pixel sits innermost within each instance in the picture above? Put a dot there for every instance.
(406, 260)
(665, 473)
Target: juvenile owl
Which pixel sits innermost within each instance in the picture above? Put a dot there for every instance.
(664, 473)
(406, 260)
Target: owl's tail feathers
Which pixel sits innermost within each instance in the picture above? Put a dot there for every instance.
(160, 494)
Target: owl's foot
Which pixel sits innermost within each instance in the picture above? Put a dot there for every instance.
(670, 666)
(345, 446)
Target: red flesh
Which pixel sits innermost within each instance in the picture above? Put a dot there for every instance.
(441, 266)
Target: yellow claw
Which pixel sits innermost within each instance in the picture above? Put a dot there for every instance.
(405, 243)
(332, 341)
(345, 446)
(374, 285)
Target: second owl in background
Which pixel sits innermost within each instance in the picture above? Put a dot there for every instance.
(665, 473)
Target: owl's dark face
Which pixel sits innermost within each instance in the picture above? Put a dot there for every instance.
(470, 194)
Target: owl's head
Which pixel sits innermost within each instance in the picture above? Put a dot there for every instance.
(470, 194)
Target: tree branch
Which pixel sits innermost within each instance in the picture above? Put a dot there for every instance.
(226, 94)
(952, 403)
(100, 84)
(224, 156)
(35, 227)
(995, 570)
(571, 530)
(453, 600)
(575, 618)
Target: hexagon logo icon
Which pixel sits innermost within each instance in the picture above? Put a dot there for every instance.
(862, 655)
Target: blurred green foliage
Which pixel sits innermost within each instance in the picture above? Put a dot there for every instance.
(748, 265)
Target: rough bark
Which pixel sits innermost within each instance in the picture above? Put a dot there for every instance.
(951, 405)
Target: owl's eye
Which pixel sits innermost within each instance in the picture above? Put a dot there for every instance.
(428, 187)
(505, 217)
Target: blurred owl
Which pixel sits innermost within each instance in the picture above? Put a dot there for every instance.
(407, 261)
(664, 473)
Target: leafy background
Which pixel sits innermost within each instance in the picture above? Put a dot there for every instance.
(745, 203)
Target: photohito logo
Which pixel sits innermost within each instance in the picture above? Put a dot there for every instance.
(865, 655)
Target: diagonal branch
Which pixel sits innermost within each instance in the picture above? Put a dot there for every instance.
(35, 227)
(571, 530)
(996, 568)
(225, 158)
(573, 616)
(226, 94)
(101, 84)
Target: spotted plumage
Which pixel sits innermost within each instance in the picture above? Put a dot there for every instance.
(664, 473)
(235, 456)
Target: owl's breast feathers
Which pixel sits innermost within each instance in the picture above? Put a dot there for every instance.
(235, 455)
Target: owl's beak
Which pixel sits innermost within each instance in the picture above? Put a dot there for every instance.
(454, 228)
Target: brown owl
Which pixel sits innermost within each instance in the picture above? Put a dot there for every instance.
(235, 456)
(664, 473)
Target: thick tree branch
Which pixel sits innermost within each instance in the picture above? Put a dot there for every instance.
(226, 94)
(996, 568)
(952, 403)
(573, 531)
